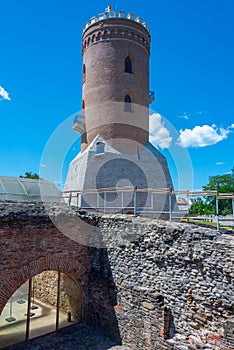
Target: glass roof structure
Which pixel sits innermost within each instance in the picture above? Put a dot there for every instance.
(23, 189)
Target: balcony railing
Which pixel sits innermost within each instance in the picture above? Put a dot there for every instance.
(151, 96)
(78, 125)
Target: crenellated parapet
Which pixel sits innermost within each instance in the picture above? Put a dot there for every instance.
(113, 14)
(106, 28)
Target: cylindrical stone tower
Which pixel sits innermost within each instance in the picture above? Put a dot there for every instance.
(116, 154)
(115, 70)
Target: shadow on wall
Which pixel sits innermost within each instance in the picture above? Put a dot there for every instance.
(124, 311)
(99, 312)
(130, 319)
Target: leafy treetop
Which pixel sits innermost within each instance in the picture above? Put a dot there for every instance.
(222, 184)
(30, 175)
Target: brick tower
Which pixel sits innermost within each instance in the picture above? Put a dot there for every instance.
(114, 125)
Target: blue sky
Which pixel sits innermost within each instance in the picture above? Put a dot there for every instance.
(191, 66)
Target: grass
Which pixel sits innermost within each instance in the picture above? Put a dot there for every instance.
(207, 223)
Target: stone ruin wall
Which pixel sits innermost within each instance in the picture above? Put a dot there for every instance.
(157, 285)
(45, 287)
(171, 280)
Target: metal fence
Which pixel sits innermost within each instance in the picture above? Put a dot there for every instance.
(130, 199)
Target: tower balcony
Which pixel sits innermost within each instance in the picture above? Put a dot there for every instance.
(78, 125)
(151, 96)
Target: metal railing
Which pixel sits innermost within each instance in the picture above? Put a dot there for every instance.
(129, 200)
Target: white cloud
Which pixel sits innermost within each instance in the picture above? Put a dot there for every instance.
(4, 94)
(159, 134)
(201, 136)
(220, 163)
(184, 116)
(201, 112)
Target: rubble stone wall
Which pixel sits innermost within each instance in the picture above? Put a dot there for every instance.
(171, 279)
(45, 287)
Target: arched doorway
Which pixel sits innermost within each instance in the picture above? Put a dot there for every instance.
(43, 304)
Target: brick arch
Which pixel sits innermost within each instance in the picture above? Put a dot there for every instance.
(117, 33)
(138, 37)
(113, 33)
(98, 36)
(69, 266)
(105, 34)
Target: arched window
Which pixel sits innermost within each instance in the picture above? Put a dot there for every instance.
(100, 148)
(127, 105)
(128, 65)
(83, 134)
(83, 111)
(84, 73)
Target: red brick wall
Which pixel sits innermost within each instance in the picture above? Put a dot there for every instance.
(106, 82)
(30, 246)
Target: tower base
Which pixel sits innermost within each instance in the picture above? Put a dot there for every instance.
(107, 180)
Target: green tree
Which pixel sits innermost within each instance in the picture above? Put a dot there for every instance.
(222, 184)
(30, 175)
(199, 207)
(196, 207)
